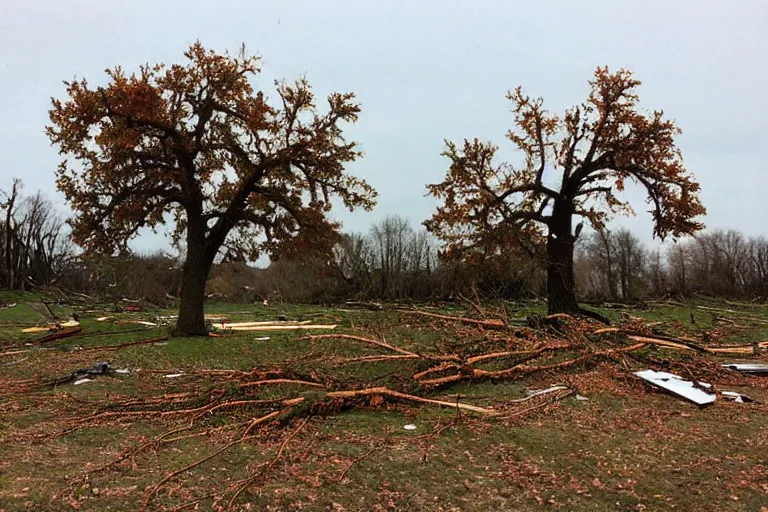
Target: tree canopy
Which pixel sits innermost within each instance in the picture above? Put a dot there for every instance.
(197, 140)
(596, 147)
(198, 145)
(593, 150)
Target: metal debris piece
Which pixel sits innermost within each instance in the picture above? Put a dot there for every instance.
(100, 368)
(678, 386)
(736, 397)
(755, 368)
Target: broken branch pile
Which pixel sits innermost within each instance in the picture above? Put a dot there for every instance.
(265, 400)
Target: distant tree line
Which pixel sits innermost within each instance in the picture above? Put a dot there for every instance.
(615, 265)
(35, 247)
(393, 261)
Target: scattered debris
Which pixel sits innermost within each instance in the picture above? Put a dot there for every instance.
(736, 397)
(137, 322)
(57, 335)
(82, 374)
(270, 326)
(678, 386)
(50, 328)
(260, 323)
(486, 324)
(372, 306)
(538, 392)
(754, 368)
(685, 344)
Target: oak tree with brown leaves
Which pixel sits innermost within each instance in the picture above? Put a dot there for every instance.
(588, 156)
(240, 174)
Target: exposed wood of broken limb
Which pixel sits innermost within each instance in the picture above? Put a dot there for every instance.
(496, 355)
(680, 344)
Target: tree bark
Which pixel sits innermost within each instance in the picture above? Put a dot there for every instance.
(561, 296)
(561, 290)
(197, 266)
(8, 235)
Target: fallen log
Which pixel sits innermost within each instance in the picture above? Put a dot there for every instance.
(65, 333)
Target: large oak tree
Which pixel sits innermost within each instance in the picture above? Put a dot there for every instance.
(587, 156)
(196, 144)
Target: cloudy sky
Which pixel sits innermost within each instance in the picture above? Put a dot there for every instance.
(424, 71)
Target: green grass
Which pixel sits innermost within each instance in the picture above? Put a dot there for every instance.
(624, 449)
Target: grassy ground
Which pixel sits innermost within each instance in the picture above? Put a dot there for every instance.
(626, 448)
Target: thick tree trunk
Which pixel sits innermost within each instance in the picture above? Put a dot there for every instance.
(561, 290)
(561, 296)
(197, 266)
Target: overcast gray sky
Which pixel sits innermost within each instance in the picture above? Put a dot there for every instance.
(424, 71)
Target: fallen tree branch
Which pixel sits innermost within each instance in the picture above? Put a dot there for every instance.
(486, 324)
(367, 454)
(258, 421)
(369, 341)
(475, 373)
(386, 392)
(496, 355)
(280, 381)
(111, 348)
(248, 481)
(152, 491)
(64, 333)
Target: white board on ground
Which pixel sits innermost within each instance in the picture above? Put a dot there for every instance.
(678, 386)
(748, 367)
